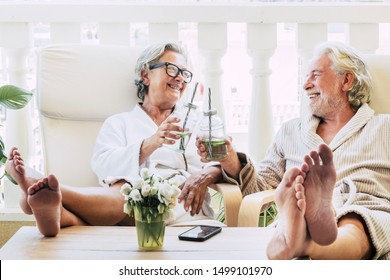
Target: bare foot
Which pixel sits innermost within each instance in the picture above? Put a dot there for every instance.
(44, 198)
(319, 184)
(16, 169)
(291, 234)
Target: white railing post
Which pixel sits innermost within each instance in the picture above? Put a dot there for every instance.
(15, 40)
(261, 43)
(212, 43)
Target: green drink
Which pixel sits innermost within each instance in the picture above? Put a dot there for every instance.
(217, 150)
(181, 144)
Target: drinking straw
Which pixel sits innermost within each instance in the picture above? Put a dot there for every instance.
(209, 144)
(189, 107)
(186, 118)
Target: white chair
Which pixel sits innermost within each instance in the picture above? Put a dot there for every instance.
(78, 87)
(379, 67)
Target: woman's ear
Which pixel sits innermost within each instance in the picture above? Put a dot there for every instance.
(145, 77)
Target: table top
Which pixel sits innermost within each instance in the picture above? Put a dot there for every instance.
(93, 242)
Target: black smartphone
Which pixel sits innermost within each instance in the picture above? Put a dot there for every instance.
(200, 233)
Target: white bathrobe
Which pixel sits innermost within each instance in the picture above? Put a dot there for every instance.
(361, 152)
(117, 150)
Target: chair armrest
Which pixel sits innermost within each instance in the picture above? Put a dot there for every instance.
(251, 206)
(232, 198)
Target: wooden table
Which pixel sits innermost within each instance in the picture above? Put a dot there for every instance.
(91, 243)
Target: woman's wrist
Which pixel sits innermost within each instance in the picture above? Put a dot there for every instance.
(146, 149)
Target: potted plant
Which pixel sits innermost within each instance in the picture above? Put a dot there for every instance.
(11, 97)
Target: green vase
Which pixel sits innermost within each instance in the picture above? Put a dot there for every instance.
(150, 230)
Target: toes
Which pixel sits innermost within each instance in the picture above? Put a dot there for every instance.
(305, 168)
(37, 186)
(326, 154)
(20, 169)
(52, 181)
(12, 153)
(291, 174)
(299, 179)
(33, 189)
(301, 203)
(308, 160)
(315, 158)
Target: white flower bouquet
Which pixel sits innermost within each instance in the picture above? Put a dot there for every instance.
(151, 196)
(150, 200)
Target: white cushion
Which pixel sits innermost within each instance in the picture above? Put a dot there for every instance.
(78, 87)
(86, 82)
(379, 67)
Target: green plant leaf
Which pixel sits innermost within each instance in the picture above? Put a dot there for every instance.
(10, 178)
(268, 216)
(2, 147)
(14, 97)
(3, 157)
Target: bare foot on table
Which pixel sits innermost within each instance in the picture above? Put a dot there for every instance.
(16, 169)
(291, 234)
(44, 198)
(319, 183)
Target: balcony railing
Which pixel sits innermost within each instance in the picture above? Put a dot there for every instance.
(204, 28)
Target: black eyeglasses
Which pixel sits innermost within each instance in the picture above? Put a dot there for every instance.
(174, 71)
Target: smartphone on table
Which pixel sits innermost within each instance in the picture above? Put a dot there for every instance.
(200, 233)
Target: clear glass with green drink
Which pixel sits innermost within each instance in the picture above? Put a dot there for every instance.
(213, 135)
(188, 115)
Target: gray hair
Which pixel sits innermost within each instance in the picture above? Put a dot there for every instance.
(151, 55)
(345, 59)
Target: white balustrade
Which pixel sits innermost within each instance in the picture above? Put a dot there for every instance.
(212, 43)
(114, 20)
(261, 42)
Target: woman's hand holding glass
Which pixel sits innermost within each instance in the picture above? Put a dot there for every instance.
(165, 135)
(168, 132)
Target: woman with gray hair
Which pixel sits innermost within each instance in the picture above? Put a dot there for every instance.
(151, 56)
(126, 143)
(136, 138)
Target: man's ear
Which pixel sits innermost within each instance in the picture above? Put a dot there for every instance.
(348, 81)
(145, 77)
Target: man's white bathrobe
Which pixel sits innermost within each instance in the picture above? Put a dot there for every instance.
(117, 150)
(361, 154)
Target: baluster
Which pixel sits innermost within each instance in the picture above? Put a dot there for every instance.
(261, 43)
(212, 43)
(15, 40)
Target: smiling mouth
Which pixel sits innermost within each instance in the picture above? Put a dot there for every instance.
(175, 87)
(312, 95)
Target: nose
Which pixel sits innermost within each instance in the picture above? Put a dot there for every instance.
(308, 84)
(180, 77)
